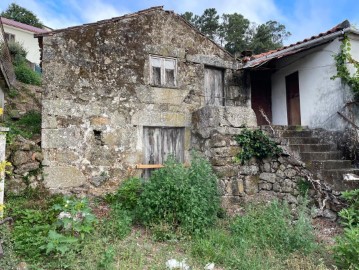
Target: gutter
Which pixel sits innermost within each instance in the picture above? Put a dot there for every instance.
(305, 45)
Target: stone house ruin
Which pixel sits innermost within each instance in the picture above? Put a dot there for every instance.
(122, 94)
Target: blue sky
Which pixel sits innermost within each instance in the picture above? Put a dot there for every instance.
(303, 18)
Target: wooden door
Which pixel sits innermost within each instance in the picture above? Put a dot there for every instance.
(213, 86)
(161, 142)
(293, 99)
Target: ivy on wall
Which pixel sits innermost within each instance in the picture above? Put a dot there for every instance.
(342, 59)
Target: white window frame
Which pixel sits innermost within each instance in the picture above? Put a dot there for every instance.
(161, 62)
(11, 37)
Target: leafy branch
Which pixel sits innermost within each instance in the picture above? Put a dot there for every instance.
(342, 59)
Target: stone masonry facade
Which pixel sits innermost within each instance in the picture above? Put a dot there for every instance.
(99, 95)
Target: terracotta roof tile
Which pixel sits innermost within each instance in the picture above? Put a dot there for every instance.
(22, 26)
(336, 28)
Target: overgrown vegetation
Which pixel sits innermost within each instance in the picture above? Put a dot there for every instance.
(180, 198)
(254, 143)
(22, 70)
(28, 126)
(342, 59)
(177, 202)
(347, 247)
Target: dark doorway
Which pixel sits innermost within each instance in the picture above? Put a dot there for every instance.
(293, 99)
(213, 86)
(261, 96)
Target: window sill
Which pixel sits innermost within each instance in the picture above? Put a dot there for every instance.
(164, 86)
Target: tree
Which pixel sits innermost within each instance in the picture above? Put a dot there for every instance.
(236, 33)
(190, 17)
(233, 31)
(209, 23)
(268, 36)
(20, 14)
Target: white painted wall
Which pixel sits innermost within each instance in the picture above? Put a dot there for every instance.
(26, 38)
(320, 97)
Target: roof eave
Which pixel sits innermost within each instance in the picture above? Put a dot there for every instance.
(306, 45)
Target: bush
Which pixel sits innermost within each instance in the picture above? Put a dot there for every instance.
(255, 143)
(347, 246)
(127, 194)
(16, 49)
(26, 75)
(183, 198)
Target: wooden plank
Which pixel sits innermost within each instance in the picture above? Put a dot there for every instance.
(213, 86)
(149, 166)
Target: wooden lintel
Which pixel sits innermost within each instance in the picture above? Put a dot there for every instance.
(149, 166)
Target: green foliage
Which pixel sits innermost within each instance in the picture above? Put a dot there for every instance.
(254, 143)
(22, 70)
(20, 14)
(107, 259)
(257, 240)
(236, 33)
(127, 194)
(347, 246)
(303, 187)
(342, 59)
(28, 126)
(26, 75)
(16, 49)
(119, 223)
(183, 198)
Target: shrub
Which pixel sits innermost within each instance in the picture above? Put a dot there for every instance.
(26, 75)
(127, 194)
(185, 198)
(16, 49)
(254, 143)
(347, 246)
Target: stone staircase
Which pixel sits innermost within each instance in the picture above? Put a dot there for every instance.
(322, 159)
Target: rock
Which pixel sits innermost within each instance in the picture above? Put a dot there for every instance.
(290, 173)
(327, 213)
(276, 187)
(266, 167)
(20, 157)
(99, 180)
(174, 264)
(265, 186)
(28, 167)
(248, 170)
(269, 177)
(237, 187)
(37, 156)
(63, 177)
(290, 198)
(280, 174)
(22, 266)
(209, 266)
(251, 184)
(287, 186)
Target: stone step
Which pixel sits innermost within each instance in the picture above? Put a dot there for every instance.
(301, 140)
(294, 133)
(313, 147)
(335, 178)
(309, 156)
(330, 164)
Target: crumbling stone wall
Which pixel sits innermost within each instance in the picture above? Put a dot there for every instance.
(98, 96)
(258, 180)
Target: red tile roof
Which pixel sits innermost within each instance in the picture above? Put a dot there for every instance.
(22, 26)
(258, 59)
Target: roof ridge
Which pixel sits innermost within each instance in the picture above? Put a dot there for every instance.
(114, 19)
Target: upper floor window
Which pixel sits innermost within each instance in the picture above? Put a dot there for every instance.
(9, 37)
(163, 71)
